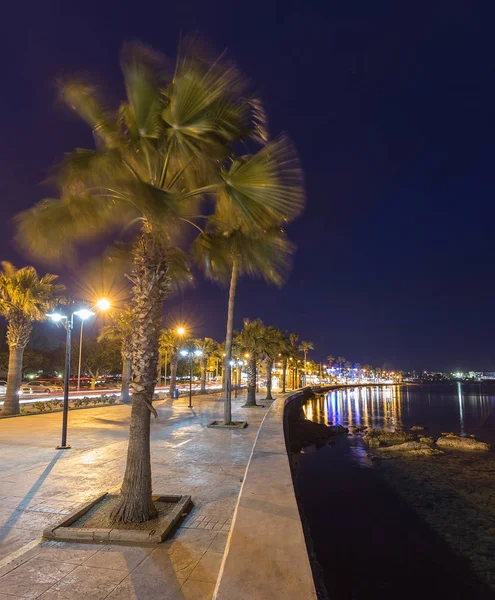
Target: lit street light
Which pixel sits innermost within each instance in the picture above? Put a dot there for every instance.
(103, 304)
(191, 353)
(69, 324)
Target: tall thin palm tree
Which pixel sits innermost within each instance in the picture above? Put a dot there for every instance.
(121, 329)
(340, 361)
(273, 344)
(169, 145)
(24, 298)
(252, 340)
(305, 347)
(208, 347)
(169, 345)
(226, 256)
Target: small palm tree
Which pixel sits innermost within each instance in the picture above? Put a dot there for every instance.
(273, 345)
(252, 340)
(330, 360)
(305, 347)
(121, 329)
(208, 347)
(169, 345)
(340, 361)
(24, 298)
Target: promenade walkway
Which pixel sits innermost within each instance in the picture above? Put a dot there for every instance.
(38, 484)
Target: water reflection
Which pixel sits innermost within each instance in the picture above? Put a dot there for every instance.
(463, 409)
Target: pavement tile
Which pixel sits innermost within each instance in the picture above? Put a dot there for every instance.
(219, 543)
(176, 562)
(197, 590)
(207, 568)
(69, 552)
(85, 583)
(141, 586)
(33, 577)
(125, 558)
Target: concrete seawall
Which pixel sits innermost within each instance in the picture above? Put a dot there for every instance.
(266, 556)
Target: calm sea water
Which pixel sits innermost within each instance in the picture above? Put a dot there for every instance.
(369, 542)
(456, 407)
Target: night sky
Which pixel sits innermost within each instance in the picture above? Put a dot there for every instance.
(391, 106)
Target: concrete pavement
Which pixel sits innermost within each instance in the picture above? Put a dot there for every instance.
(38, 484)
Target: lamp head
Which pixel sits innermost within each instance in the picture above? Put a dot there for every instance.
(84, 313)
(198, 352)
(183, 352)
(56, 317)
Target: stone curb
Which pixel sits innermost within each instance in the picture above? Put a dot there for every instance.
(64, 532)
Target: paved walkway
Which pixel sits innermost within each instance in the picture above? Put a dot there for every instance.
(38, 484)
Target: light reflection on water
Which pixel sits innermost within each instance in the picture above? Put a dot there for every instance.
(461, 408)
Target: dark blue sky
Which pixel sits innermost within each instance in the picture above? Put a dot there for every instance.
(391, 105)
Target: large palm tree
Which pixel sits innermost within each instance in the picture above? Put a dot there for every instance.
(167, 146)
(24, 298)
(121, 329)
(228, 255)
(208, 347)
(305, 347)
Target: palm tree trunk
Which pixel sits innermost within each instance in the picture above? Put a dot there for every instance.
(150, 288)
(11, 403)
(227, 403)
(125, 396)
(173, 373)
(159, 369)
(203, 376)
(269, 367)
(251, 382)
(284, 375)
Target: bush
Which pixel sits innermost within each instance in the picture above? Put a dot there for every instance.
(39, 406)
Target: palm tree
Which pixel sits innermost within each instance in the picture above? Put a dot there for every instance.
(252, 340)
(286, 348)
(24, 298)
(273, 344)
(227, 256)
(169, 343)
(330, 360)
(305, 347)
(121, 329)
(340, 361)
(169, 145)
(208, 347)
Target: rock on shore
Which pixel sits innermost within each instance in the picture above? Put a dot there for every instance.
(411, 448)
(456, 442)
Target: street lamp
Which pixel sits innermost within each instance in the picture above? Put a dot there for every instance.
(191, 353)
(69, 324)
(83, 314)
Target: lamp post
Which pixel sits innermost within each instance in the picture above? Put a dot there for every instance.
(191, 352)
(83, 314)
(102, 304)
(69, 324)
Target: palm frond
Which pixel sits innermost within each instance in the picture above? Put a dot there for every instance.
(262, 189)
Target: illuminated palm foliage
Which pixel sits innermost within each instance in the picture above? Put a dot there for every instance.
(208, 347)
(24, 298)
(305, 347)
(168, 146)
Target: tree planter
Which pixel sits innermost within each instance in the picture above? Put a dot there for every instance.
(70, 529)
(232, 425)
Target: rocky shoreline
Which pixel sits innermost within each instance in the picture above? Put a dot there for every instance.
(449, 482)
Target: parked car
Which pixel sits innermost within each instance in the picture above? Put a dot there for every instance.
(3, 387)
(40, 387)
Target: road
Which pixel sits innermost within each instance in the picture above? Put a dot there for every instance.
(43, 397)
